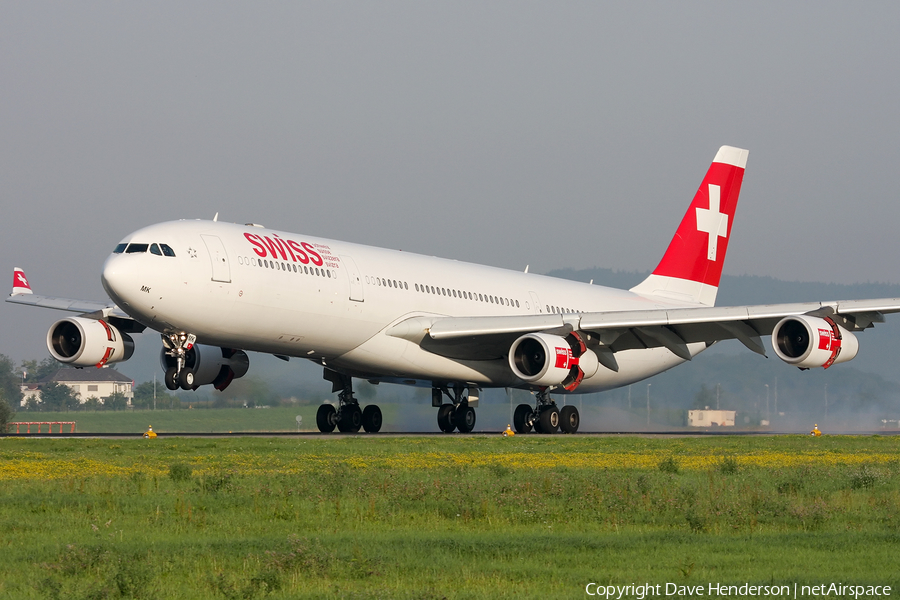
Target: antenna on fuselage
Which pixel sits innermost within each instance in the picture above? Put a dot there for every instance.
(526, 268)
(216, 218)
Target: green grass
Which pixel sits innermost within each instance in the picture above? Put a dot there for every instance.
(453, 516)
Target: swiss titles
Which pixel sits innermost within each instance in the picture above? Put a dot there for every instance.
(276, 247)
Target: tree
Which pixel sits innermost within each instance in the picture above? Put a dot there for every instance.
(6, 414)
(116, 401)
(35, 371)
(10, 390)
(57, 396)
(92, 403)
(143, 397)
(32, 404)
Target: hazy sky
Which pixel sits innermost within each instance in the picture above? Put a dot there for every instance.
(550, 134)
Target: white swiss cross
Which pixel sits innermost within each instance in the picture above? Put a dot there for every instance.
(712, 222)
(21, 277)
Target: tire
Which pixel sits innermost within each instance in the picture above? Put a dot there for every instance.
(371, 419)
(351, 419)
(521, 418)
(549, 420)
(445, 418)
(325, 420)
(464, 418)
(171, 379)
(186, 379)
(569, 419)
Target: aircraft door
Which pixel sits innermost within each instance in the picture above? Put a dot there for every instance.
(536, 308)
(356, 284)
(217, 257)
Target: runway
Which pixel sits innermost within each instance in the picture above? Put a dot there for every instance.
(425, 434)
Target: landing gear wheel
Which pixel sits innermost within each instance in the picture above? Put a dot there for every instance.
(325, 418)
(351, 419)
(549, 420)
(186, 379)
(371, 419)
(445, 418)
(171, 379)
(569, 419)
(522, 418)
(464, 418)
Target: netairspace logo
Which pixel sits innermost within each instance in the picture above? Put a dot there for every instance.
(661, 590)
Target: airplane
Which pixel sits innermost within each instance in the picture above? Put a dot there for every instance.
(215, 290)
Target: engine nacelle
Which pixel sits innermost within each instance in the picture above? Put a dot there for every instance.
(808, 342)
(543, 359)
(87, 342)
(211, 364)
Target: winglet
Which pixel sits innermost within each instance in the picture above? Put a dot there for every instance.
(20, 283)
(692, 265)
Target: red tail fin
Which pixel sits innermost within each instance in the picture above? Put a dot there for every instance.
(692, 265)
(20, 283)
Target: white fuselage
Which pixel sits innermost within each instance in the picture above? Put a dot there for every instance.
(269, 291)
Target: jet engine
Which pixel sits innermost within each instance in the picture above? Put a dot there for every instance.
(87, 342)
(808, 342)
(543, 359)
(211, 364)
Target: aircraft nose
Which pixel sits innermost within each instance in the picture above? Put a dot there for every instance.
(114, 278)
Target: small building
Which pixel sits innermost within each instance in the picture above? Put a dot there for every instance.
(711, 418)
(85, 383)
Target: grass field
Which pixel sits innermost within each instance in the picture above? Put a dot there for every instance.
(442, 517)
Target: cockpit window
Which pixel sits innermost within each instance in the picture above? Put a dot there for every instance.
(154, 249)
(120, 249)
(166, 250)
(136, 248)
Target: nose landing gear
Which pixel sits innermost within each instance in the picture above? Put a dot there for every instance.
(177, 346)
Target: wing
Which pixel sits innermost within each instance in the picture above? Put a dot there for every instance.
(22, 294)
(490, 337)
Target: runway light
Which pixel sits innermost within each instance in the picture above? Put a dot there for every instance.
(815, 431)
(150, 434)
(508, 432)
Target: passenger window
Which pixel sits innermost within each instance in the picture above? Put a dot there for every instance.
(120, 249)
(136, 248)
(166, 250)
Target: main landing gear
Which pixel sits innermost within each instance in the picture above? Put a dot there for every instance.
(460, 412)
(348, 417)
(176, 347)
(546, 417)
